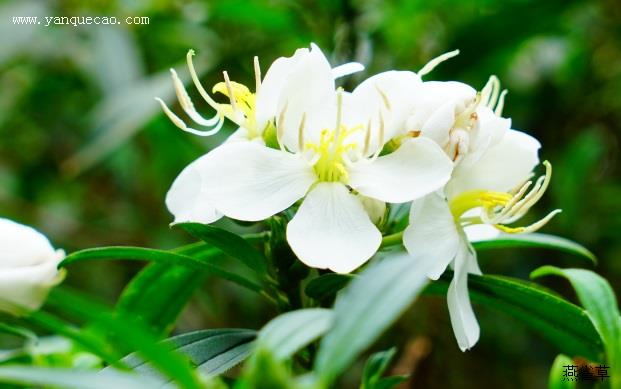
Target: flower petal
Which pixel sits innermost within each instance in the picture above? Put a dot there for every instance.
(388, 92)
(248, 181)
(465, 325)
(307, 90)
(501, 168)
(415, 169)
(24, 289)
(434, 106)
(432, 237)
(479, 232)
(186, 200)
(272, 84)
(332, 230)
(22, 245)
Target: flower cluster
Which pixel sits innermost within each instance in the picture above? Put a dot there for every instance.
(337, 158)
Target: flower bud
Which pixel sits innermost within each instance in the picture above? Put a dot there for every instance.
(28, 268)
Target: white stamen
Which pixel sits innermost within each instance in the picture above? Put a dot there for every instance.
(181, 124)
(280, 127)
(436, 61)
(380, 141)
(301, 133)
(384, 98)
(198, 84)
(188, 107)
(367, 139)
(257, 74)
(346, 69)
(501, 103)
(339, 117)
(229, 89)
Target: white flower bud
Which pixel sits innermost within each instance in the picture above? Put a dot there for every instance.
(28, 268)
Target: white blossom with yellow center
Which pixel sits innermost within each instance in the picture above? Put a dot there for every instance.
(327, 155)
(253, 112)
(489, 190)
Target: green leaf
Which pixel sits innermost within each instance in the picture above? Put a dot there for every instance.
(143, 295)
(555, 381)
(364, 309)
(85, 339)
(536, 240)
(126, 334)
(290, 332)
(598, 298)
(374, 369)
(561, 322)
(212, 351)
(327, 285)
(18, 331)
(231, 244)
(70, 378)
(160, 256)
(390, 382)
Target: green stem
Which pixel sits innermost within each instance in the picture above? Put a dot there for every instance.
(392, 240)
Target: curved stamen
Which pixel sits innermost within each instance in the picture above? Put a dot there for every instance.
(301, 133)
(384, 98)
(280, 127)
(181, 124)
(229, 89)
(188, 106)
(367, 139)
(501, 103)
(380, 140)
(436, 61)
(198, 84)
(530, 228)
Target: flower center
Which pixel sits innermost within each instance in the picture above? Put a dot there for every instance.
(242, 105)
(501, 208)
(331, 154)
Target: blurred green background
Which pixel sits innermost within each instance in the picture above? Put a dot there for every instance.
(86, 155)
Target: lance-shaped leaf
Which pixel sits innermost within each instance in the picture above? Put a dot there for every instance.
(161, 256)
(564, 324)
(536, 240)
(73, 379)
(125, 334)
(326, 286)
(143, 295)
(598, 298)
(212, 351)
(364, 309)
(558, 377)
(230, 244)
(290, 332)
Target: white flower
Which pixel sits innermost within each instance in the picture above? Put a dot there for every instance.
(463, 122)
(27, 268)
(253, 113)
(478, 202)
(328, 150)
